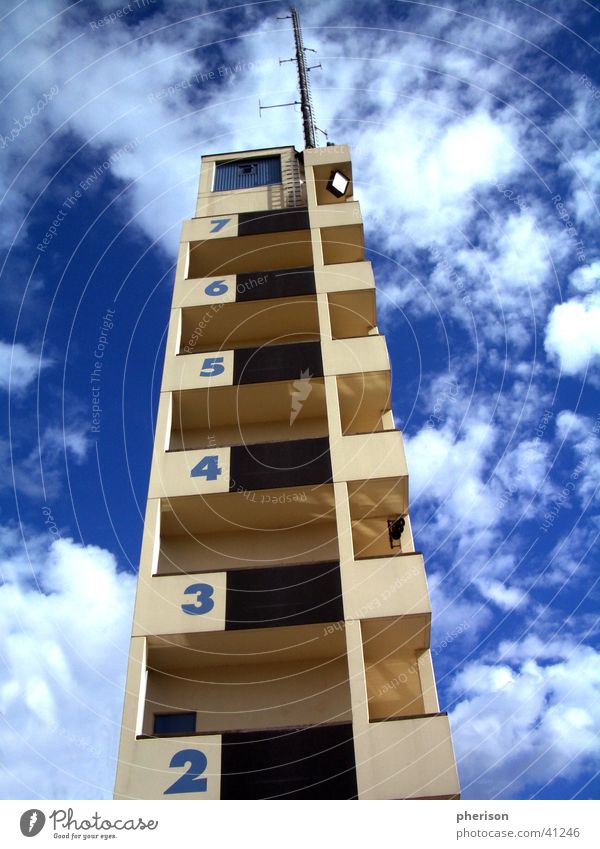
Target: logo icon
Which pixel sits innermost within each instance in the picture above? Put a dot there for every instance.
(32, 822)
(301, 389)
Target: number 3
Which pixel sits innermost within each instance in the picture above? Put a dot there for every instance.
(204, 602)
(190, 781)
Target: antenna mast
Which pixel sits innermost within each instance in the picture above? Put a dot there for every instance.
(306, 105)
(305, 102)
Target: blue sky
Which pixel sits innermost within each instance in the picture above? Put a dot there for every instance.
(474, 130)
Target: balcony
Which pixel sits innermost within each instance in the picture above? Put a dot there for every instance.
(242, 415)
(392, 649)
(244, 325)
(245, 530)
(352, 313)
(245, 254)
(364, 400)
(353, 356)
(412, 758)
(385, 586)
(372, 503)
(259, 679)
(345, 243)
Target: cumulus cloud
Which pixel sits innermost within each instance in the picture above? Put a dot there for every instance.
(573, 334)
(65, 615)
(18, 366)
(526, 718)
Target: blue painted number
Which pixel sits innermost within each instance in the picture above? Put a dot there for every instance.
(208, 468)
(204, 602)
(190, 781)
(212, 366)
(219, 224)
(217, 287)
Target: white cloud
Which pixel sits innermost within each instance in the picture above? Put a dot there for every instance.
(586, 278)
(529, 717)
(65, 616)
(573, 334)
(18, 366)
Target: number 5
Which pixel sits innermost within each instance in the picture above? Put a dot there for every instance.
(212, 366)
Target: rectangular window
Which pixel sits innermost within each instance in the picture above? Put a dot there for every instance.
(247, 173)
(174, 723)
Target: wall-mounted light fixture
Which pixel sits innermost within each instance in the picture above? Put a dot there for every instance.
(338, 184)
(395, 529)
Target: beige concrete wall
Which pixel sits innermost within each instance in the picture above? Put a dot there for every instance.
(161, 600)
(313, 543)
(384, 586)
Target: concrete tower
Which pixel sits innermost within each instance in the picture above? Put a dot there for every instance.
(281, 634)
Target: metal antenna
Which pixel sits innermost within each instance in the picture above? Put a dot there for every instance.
(306, 106)
(305, 102)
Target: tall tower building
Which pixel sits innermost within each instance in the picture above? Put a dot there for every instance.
(281, 633)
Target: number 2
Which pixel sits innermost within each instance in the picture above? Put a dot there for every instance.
(204, 602)
(190, 781)
(208, 468)
(212, 366)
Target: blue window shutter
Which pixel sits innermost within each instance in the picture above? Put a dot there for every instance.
(247, 173)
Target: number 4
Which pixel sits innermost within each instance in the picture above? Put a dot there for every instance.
(208, 468)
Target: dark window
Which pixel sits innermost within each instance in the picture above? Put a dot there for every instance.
(303, 462)
(272, 221)
(174, 723)
(277, 362)
(283, 595)
(299, 763)
(286, 282)
(247, 173)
